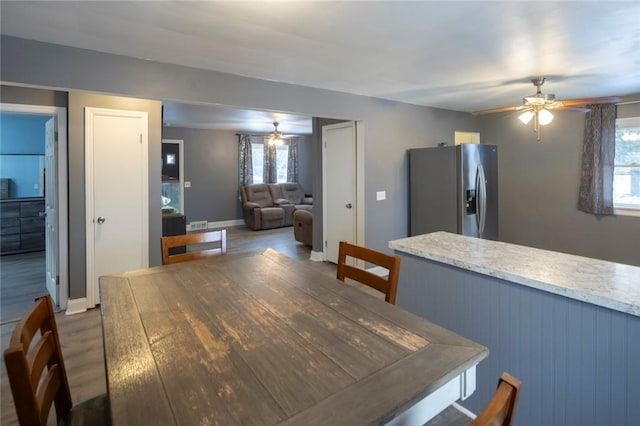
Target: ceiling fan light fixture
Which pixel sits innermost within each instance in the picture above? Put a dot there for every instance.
(276, 137)
(526, 117)
(544, 117)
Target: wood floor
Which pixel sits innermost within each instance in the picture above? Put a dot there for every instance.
(81, 334)
(22, 279)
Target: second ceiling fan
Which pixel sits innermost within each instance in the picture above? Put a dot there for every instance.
(538, 106)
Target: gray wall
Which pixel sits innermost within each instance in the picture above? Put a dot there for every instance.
(77, 224)
(306, 163)
(538, 189)
(211, 165)
(31, 96)
(548, 170)
(391, 127)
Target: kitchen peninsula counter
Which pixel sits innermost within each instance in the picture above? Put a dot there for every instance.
(607, 284)
(567, 326)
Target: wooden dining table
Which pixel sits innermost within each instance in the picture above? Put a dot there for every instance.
(265, 339)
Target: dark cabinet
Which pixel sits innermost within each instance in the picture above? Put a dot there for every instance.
(174, 224)
(22, 226)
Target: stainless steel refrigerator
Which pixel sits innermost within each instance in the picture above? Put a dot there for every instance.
(454, 189)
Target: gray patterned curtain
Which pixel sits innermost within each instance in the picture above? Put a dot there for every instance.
(292, 164)
(245, 164)
(270, 169)
(598, 155)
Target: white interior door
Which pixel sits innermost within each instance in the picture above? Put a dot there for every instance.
(117, 194)
(339, 187)
(51, 209)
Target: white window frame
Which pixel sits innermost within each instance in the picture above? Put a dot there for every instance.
(627, 209)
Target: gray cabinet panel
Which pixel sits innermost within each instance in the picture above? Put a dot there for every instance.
(9, 226)
(578, 362)
(32, 208)
(21, 226)
(9, 210)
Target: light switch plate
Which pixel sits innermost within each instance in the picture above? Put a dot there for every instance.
(381, 195)
(187, 184)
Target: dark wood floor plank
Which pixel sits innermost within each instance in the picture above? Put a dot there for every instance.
(22, 279)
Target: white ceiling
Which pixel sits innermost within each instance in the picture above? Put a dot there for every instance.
(222, 118)
(455, 55)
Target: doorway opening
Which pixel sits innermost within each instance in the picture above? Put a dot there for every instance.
(33, 197)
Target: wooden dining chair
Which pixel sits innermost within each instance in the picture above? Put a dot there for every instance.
(195, 238)
(501, 408)
(38, 377)
(387, 285)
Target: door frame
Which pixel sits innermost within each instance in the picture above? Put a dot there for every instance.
(359, 178)
(92, 291)
(61, 190)
(180, 143)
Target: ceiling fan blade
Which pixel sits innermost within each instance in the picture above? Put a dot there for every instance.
(588, 101)
(571, 108)
(502, 109)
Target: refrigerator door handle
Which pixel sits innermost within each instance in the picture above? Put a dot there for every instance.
(481, 199)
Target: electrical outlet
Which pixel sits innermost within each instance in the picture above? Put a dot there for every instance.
(187, 184)
(381, 195)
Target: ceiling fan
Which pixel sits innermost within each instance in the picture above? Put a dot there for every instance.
(277, 137)
(537, 106)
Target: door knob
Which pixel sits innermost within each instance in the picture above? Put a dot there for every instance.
(101, 220)
(348, 205)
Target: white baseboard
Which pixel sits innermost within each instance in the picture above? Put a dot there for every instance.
(76, 306)
(317, 256)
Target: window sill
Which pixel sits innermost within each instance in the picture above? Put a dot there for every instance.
(626, 211)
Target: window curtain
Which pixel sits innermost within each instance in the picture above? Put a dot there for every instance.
(245, 164)
(270, 169)
(598, 155)
(292, 163)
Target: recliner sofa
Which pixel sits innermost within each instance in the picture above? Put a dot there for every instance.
(293, 193)
(265, 207)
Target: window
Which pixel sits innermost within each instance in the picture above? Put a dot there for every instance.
(282, 160)
(257, 160)
(626, 180)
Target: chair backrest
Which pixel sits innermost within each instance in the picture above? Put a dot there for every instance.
(33, 388)
(386, 285)
(501, 408)
(193, 239)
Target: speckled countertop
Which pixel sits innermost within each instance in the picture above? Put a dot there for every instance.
(611, 285)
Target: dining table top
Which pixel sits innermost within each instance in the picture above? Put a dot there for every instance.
(265, 339)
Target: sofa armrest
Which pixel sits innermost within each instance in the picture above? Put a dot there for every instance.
(307, 199)
(250, 205)
(252, 215)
